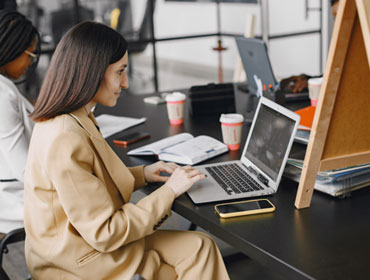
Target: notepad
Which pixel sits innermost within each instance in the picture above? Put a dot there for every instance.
(307, 114)
(305, 124)
(183, 148)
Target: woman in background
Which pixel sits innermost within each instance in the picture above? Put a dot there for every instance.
(79, 221)
(19, 41)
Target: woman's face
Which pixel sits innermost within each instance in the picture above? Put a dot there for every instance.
(18, 67)
(115, 79)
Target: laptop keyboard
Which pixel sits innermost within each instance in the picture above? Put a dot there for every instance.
(233, 179)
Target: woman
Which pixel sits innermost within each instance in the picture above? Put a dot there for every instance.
(18, 44)
(78, 219)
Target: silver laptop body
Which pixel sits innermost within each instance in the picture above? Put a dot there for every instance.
(263, 159)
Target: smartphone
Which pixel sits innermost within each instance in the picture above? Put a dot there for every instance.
(247, 207)
(130, 138)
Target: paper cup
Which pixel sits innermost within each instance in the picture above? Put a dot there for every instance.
(175, 108)
(231, 126)
(314, 85)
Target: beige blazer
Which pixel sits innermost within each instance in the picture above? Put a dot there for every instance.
(78, 219)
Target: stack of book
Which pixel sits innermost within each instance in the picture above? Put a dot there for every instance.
(335, 182)
(338, 182)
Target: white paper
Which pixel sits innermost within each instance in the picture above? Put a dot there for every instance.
(110, 124)
(161, 145)
(196, 149)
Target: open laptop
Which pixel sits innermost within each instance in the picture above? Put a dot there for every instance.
(256, 61)
(262, 163)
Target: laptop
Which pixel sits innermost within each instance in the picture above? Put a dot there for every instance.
(256, 62)
(260, 168)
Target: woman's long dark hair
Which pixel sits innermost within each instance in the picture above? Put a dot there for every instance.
(16, 35)
(77, 69)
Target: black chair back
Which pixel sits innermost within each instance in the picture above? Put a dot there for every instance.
(13, 236)
(62, 20)
(144, 32)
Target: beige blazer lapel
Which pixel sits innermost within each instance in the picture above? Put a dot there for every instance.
(118, 171)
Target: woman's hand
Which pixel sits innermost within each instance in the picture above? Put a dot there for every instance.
(152, 172)
(183, 178)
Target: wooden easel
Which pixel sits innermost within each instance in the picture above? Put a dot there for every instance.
(340, 134)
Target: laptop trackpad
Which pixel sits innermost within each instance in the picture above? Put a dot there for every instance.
(206, 188)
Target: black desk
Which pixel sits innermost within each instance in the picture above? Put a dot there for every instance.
(330, 240)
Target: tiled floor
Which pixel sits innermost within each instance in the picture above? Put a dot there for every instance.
(171, 76)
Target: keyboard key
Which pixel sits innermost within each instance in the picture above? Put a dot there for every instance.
(233, 179)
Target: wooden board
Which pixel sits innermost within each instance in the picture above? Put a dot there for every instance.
(340, 135)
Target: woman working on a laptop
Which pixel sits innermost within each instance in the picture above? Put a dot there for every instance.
(78, 218)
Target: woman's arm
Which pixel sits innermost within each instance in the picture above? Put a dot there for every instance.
(89, 206)
(152, 173)
(138, 173)
(13, 140)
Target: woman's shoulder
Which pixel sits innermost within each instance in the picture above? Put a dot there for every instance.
(58, 136)
(62, 124)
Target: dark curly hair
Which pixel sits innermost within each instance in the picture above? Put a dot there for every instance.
(16, 35)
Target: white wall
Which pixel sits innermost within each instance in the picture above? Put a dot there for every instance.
(291, 55)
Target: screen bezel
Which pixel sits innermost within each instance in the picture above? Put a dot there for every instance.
(286, 112)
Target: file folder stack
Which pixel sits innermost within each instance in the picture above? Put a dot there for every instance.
(337, 182)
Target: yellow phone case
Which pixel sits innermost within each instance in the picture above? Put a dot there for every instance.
(248, 212)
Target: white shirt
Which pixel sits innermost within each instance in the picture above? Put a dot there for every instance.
(15, 134)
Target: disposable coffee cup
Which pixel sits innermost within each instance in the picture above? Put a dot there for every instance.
(175, 107)
(231, 126)
(314, 86)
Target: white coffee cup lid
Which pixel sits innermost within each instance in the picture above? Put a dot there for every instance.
(175, 96)
(315, 81)
(231, 118)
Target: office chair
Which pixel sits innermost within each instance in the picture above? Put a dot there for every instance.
(3, 275)
(62, 20)
(123, 22)
(13, 236)
(144, 32)
(136, 37)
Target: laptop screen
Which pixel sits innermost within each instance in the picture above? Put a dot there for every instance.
(269, 140)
